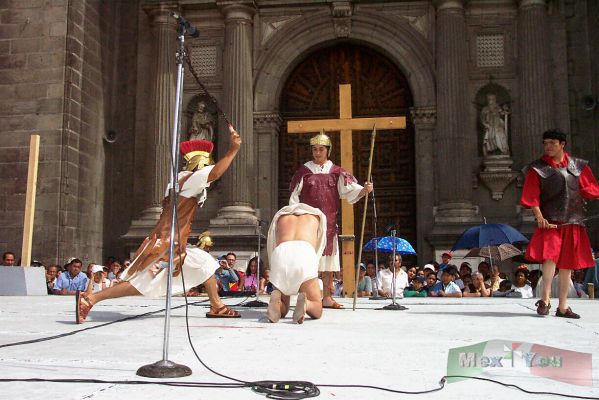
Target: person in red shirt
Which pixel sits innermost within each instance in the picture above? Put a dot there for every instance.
(556, 188)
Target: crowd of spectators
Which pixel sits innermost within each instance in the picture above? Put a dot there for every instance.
(445, 279)
(442, 279)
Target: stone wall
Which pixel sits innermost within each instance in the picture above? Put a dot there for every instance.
(59, 60)
(32, 57)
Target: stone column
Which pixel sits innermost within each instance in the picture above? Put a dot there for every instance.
(453, 134)
(424, 119)
(267, 126)
(161, 115)
(536, 96)
(237, 219)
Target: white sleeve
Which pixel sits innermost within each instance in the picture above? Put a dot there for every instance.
(350, 192)
(197, 183)
(294, 198)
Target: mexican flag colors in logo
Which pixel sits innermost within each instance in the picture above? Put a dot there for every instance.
(497, 357)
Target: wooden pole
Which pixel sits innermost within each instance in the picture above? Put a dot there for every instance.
(34, 152)
(369, 178)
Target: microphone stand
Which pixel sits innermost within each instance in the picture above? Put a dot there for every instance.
(257, 302)
(166, 368)
(394, 306)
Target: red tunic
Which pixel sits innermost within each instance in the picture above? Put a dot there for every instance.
(568, 245)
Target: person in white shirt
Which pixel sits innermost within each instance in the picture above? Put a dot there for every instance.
(520, 284)
(385, 279)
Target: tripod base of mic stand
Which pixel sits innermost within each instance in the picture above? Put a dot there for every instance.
(394, 307)
(255, 303)
(164, 369)
(377, 298)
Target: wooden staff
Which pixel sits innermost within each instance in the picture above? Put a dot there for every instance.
(364, 217)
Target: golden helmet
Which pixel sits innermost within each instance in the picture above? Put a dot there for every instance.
(205, 241)
(323, 140)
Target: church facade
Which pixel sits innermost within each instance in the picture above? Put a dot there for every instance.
(478, 81)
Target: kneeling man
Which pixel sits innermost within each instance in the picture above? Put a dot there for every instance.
(296, 240)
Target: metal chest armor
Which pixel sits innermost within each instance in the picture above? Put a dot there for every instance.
(561, 201)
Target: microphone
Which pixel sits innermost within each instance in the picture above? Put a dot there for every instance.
(187, 28)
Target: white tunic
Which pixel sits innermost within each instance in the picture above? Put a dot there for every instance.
(198, 265)
(349, 192)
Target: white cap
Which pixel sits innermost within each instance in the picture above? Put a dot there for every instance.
(97, 268)
(429, 266)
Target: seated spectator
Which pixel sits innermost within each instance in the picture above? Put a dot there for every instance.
(225, 276)
(266, 286)
(89, 269)
(533, 278)
(365, 283)
(466, 280)
(465, 269)
(421, 273)
(447, 287)
(371, 273)
(68, 283)
(578, 282)
(385, 281)
(51, 276)
(506, 289)
(477, 288)
(494, 280)
(520, 284)
(416, 289)
(98, 282)
(554, 287)
(8, 259)
(445, 260)
(249, 281)
(485, 269)
(591, 276)
(431, 281)
(412, 272)
(338, 283)
(114, 272)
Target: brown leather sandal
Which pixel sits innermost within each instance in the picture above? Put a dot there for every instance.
(542, 308)
(82, 307)
(223, 312)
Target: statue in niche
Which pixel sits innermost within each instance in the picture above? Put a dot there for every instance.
(203, 123)
(494, 119)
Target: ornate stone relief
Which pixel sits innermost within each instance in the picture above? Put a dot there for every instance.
(342, 12)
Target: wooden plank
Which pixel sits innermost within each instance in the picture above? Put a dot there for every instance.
(356, 124)
(34, 150)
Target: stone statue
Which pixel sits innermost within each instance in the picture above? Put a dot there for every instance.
(202, 124)
(494, 119)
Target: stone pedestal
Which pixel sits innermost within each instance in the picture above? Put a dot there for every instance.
(497, 174)
(23, 281)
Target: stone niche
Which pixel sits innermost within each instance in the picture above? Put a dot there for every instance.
(494, 128)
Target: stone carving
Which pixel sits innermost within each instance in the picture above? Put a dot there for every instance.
(342, 12)
(202, 124)
(494, 119)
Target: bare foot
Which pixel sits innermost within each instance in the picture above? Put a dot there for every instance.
(300, 309)
(273, 313)
(328, 302)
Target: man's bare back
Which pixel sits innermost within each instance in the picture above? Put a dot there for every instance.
(298, 227)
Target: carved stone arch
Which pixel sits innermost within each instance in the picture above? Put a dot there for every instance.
(399, 41)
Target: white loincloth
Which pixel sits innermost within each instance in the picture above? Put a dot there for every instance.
(197, 268)
(294, 262)
(291, 264)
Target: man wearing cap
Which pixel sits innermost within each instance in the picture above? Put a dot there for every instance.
(320, 183)
(445, 259)
(556, 188)
(148, 272)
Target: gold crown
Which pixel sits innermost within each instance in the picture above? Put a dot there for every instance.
(205, 241)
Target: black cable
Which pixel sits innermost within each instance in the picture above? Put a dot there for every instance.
(61, 335)
(511, 385)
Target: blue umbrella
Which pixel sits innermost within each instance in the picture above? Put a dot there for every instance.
(385, 244)
(486, 235)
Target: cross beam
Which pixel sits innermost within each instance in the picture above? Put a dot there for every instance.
(345, 125)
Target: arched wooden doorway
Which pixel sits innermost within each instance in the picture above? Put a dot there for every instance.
(379, 88)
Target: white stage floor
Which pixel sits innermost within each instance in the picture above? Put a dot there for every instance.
(404, 350)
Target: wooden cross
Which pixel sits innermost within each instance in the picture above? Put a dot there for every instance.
(345, 125)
